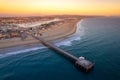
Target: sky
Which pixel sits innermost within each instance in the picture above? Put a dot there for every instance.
(59, 7)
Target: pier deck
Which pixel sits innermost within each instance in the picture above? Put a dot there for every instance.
(81, 62)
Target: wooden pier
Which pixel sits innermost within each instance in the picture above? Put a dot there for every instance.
(80, 62)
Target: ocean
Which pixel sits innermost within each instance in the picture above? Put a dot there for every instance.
(97, 39)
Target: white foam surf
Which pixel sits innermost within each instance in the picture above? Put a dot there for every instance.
(20, 51)
(66, 42)
(74, 37)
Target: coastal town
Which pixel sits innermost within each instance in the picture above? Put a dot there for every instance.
(12, 27)
(14, 30)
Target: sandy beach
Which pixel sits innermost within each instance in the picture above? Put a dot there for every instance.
(57, 31)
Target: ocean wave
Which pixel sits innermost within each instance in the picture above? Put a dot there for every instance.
(66, 42)
(20, 51)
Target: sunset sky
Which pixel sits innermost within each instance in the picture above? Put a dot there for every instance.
(59, 7)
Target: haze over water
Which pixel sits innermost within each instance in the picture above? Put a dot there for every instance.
(97, 39)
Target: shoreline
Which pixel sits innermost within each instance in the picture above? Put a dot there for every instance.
(55, 33)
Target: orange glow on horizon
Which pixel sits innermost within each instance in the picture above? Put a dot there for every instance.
(51, 7)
